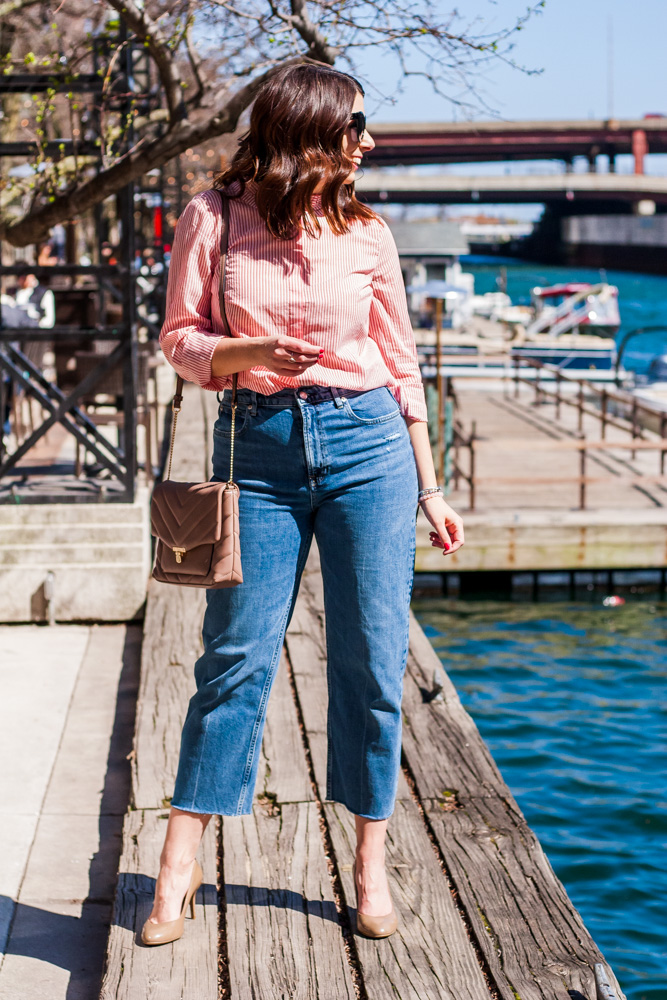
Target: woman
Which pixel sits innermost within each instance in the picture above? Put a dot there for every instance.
(331, 442)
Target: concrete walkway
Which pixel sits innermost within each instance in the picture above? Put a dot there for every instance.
(67, 703)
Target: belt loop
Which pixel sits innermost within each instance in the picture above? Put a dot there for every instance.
(338, 402)
(252, 405)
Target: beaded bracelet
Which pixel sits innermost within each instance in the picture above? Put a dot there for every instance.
(430, 491)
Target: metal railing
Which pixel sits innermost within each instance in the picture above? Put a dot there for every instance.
(463, 447)
(469, 444)
(638, 410)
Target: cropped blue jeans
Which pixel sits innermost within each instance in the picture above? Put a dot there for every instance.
(343, 471)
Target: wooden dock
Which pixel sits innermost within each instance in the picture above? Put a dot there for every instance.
(481, 912)
(530, 478)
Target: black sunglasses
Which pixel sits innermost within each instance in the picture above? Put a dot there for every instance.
(357, 125)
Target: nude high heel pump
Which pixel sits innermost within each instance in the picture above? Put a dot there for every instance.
(373, 927)
(172, 930)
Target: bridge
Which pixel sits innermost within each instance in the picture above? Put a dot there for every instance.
(572, 191)
(476, 142)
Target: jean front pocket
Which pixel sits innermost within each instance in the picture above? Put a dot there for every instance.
(373, 407)
(223, 426)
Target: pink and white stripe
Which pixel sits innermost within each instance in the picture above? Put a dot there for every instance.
(343, 293)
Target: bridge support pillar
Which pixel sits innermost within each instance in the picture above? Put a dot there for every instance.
(639, 149)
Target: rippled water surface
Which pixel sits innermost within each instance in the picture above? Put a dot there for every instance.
(570, 699)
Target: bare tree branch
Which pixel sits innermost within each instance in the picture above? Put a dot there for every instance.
(143, 157)
(314, 39)
(195, 65)
(158, 45)
(237, 44)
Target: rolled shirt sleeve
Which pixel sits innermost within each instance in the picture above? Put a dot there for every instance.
(391, 329)
(188, 337)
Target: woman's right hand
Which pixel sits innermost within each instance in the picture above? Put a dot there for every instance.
(275, 353)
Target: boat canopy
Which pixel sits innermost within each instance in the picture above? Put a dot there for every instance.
(437, 289)
(566, 288)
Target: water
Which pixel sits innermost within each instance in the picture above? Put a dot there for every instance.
(642, 298)
(570, 698)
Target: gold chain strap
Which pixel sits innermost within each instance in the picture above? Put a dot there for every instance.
(230, 481)
(175, 411)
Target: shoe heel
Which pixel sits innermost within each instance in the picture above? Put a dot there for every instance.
(192, 905)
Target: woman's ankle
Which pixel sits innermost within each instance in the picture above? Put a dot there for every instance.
(366, 857)
(177, 866)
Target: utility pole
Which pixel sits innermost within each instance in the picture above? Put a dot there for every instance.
(610, 67)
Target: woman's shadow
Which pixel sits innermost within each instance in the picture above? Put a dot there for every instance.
(137, 892)
(77, 943)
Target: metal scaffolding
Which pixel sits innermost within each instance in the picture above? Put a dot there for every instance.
(68, 390)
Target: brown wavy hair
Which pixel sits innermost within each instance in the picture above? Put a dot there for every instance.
(294, 142)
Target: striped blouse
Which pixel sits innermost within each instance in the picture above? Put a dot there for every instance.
(342, 293)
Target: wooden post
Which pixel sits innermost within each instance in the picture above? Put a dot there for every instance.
(536, 401)
(516, 377)
(449, 437)
(457, 440)
(580, 423)
(663, 427)
(558, 382)
(439, 387)
(471, 445)
(582, 483)
(442, 438)
(603, 417)
(634, 425)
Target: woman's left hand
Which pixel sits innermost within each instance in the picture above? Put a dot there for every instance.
(448, 525)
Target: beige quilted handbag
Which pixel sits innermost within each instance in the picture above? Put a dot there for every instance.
(197, 524)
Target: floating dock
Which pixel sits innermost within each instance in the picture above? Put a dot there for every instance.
(553, 475)
(481, 912)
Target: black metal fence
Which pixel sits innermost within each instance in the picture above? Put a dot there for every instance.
(73, 393)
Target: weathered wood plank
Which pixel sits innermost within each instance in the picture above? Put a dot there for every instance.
(184, 970)
(283, 774)
(531, 935)
(284, 938)
(172, 631)
(187, 969)
(172, 643)
(306, 646)
(430, 956)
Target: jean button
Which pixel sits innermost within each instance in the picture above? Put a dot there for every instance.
(303, 395)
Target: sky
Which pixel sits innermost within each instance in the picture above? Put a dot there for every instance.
(569, 43)
(597, 58)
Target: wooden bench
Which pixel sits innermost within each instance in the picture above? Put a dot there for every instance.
(481, 913)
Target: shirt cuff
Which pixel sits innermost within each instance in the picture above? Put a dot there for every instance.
(411, 399)
(192, 358)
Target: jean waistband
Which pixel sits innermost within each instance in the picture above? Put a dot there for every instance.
(289, 397)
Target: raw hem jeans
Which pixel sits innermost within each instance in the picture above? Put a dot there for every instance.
(342, 471)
